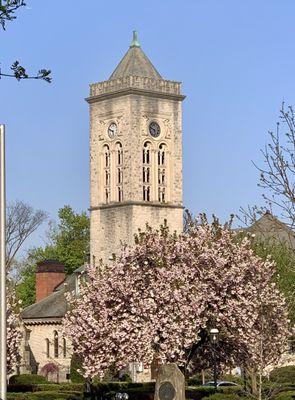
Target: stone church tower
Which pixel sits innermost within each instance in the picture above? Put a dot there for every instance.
(135, 153)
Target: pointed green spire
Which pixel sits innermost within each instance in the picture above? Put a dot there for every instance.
(135, 42)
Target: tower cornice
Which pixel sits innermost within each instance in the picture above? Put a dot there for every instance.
(124, 92)
(135, 203)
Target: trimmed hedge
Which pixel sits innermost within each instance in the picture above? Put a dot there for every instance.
(27, 379)
(61, 387)
(45, 396)
(136, 391)
(202, 392)
(145, 391)
(21, 388)
(222, 396)
(46, 387)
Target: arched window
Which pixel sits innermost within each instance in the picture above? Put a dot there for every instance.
(162, 154)
(47, 344)
(146, 171)
(162, 173)
(146, 154)
(55, 344)
(119, 168)
(64, 347)
(119, 149)
(107, 173)
(107, 156)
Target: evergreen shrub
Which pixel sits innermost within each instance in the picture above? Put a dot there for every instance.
(27, 379)
(51, 395)
(283, 374)
(74, 374)
(125, 378)
(60, 387)
(202, 392)
(21, 388)
(289, 395)
(222, 396)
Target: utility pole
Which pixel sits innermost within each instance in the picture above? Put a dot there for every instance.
(3, 367)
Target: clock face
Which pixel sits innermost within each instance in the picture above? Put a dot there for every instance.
(112, 130)
(154, 129)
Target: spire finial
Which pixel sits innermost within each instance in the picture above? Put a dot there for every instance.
(135, 42)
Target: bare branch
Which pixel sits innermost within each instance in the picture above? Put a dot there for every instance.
(248, 216)
(22, 221)
(277, 174)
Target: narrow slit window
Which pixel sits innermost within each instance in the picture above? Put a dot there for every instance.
(47, 344)
(55, 344)
(162, 173)
(64, 347)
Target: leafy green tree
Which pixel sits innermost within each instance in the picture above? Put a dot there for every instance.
(284, 257)
(68, 242)
(70, 238)
(25, 289)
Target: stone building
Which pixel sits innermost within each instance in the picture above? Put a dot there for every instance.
(135, 179)
(135, 153)
(45, 350)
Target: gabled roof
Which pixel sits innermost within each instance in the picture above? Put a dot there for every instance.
(135, 63)
(268, 227)
(54, 305)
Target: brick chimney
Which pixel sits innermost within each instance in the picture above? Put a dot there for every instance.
(49, 274)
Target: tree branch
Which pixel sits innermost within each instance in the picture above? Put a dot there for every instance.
(7, 10)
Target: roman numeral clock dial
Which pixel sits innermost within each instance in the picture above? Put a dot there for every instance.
(154, 129)
(112, 130)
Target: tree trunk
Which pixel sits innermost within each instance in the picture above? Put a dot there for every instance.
(254, 387)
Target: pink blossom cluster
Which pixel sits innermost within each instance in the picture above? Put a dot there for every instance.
(14, 335)
(158, 298)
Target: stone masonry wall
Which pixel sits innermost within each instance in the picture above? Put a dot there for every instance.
(112, 225)
(132, 113)
(36, 349)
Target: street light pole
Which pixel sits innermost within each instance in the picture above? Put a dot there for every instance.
(214, 332)
(3, 368)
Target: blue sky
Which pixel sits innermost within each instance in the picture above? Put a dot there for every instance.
(236, 62)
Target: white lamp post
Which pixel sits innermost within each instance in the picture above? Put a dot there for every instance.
(214, 337)
(3, 368)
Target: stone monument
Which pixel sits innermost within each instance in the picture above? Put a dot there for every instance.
(170, 384)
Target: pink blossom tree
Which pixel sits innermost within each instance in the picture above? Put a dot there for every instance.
(160, 298)
(13, 334)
